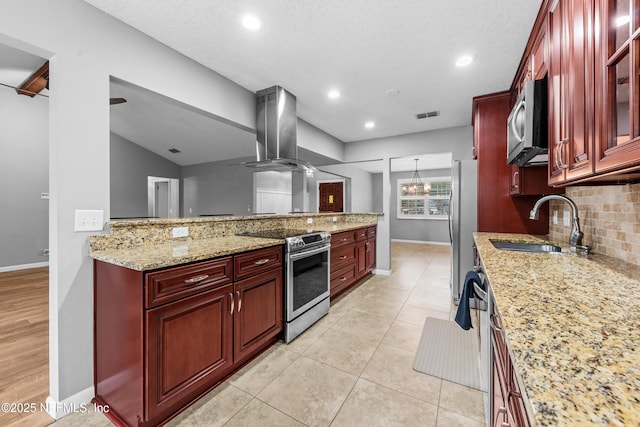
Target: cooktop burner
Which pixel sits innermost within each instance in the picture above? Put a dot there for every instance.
(278, 233)
(296, 239)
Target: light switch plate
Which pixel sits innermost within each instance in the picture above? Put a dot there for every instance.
(180, 232)
(555, 217)
(87, 220)
(566, 219)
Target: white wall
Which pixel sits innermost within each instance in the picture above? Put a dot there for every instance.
(131, 165)
(360, 192)
(85, 47)
(457, 140)
(318, 141)
(24, 175)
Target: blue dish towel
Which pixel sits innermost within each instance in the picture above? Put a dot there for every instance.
(463, 316)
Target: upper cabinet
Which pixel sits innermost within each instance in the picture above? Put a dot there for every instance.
(590, 52)
(571, 88)
(618, 70)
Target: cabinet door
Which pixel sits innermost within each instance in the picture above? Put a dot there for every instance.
(189, 348)
(571, 85)
(371, 254)
(618, 76)
(361, 259)
(258, 313)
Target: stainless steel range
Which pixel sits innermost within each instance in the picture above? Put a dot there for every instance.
(306, 293)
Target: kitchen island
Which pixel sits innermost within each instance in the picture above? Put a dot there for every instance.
(572, 326)
(147, 244)
(175, 316)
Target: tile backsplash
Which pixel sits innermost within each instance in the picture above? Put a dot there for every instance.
(609, 218)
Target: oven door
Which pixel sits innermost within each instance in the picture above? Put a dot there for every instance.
(307, 280)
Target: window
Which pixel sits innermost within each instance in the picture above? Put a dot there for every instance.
(415, 204)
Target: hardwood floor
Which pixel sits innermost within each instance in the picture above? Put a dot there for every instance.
(24, 346)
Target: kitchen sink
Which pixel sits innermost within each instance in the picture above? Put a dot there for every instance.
(525, 247)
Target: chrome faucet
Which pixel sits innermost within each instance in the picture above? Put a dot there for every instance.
(575, 240)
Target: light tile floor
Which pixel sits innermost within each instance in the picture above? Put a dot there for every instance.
(353, 367)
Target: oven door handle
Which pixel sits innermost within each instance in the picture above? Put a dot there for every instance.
(297, 255)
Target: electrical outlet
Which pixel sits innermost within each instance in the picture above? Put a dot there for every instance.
(555, 217)
(566, 219)
(309, 220)
(86, 220)
(334, 219)
(180, 232)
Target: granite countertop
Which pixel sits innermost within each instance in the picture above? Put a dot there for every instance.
(151, 257)
(182, 251)
(572, 323)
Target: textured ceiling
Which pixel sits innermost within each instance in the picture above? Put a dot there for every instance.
(361, 47)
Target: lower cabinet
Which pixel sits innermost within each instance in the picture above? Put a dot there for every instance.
(507, 405)
(353, 257)
(164, 338)
(189, 347)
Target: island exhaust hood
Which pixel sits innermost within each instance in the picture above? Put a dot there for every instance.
(276, 127)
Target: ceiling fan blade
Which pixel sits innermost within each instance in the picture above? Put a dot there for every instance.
(114, 101)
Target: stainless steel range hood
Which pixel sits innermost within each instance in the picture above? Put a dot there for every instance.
(276, 126)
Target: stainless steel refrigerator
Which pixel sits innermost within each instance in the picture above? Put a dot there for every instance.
(463, 221)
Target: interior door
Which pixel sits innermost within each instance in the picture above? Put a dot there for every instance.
(331, 195)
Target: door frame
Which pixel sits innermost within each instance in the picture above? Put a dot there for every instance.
(173, 196)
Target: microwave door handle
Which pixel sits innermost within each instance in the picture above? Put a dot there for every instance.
(513, 122)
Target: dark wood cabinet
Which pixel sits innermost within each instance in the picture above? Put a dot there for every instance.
(189, 348)
(258, 313)
(507, 404)
(593, 69)
(531, 181)
(352, 258)
(571, 90)
(617, 74)
(497, 210)
(166, 337)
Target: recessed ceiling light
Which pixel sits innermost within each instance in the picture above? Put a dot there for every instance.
(252, 23)
(370, 125)
(621, 20)
(465, 60)
(333, 94)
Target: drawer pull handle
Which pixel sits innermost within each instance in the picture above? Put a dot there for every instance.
(197, 279)
(239, 301)
(261, 262)
(343, 257)
(342, 279)
(232, 304)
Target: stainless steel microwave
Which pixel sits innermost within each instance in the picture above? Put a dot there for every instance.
(527, 126)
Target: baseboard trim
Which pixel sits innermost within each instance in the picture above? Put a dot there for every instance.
(23, 266)
(79, 402)
(421, 242)
(381, 272)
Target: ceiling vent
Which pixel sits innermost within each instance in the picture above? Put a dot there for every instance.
(428, 114)
(174, 150)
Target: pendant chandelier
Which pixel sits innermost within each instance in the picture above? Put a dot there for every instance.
(416, 187)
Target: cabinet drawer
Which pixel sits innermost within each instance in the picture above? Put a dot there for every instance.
(175, 283)
(255, 262)
(371, 232)
(342, 278)
(342, 256)
(361, 234)
(344, 238)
